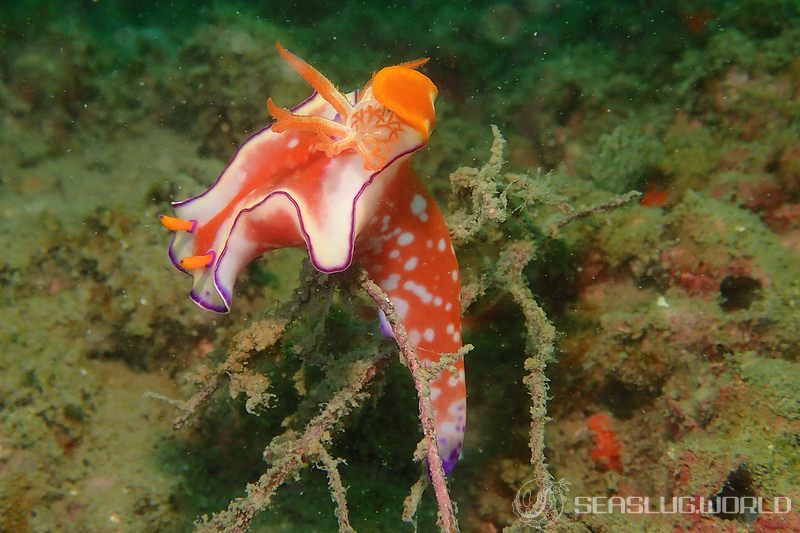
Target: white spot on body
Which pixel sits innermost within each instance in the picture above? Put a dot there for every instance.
(457, 407)
(391, 283)
(455, 380)
(411, 264)
(437, 301)
(400, 306)
(419, 290)
(429, 335)
(418, 206)
(414, 336)
(456, 337)
(394, 254)
(455, 275)
(441, 245)
(449, 428)
(448, 306)
(375, 245)
(293, 142)
(429, 244)
(405, 239)
(435, 392)
(388, 236)
(450, 329)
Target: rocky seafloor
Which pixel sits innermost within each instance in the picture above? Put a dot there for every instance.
(678, 315)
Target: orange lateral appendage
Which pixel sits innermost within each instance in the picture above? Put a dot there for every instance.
(196, 261)
(176, 224)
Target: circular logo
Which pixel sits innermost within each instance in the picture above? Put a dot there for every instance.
(538, 507)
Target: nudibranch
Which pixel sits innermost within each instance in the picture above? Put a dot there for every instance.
(334, 175)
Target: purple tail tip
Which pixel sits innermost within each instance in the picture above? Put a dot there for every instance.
(448, 463)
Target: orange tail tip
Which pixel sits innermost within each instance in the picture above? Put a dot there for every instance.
(177, 224)
(194, 262)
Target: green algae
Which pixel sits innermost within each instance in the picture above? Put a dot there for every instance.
(625, 158)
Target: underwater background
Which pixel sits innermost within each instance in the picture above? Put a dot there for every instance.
(675, 365)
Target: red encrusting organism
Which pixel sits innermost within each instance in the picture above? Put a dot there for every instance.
(654, 196)
(606, 451)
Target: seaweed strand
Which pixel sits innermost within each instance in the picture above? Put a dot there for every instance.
(288, 452)
(540, 340)
(446, 517)
(338, 490)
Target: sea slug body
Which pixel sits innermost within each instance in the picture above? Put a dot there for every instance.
(334, 175)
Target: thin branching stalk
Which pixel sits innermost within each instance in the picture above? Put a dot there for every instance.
(338, 491)
(446, 516)
(540, 342)
(289, 452)
(411, 502)
(258, 337)
(551, 229)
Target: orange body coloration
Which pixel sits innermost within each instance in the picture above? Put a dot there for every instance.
(407, 250)
(606, 451)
